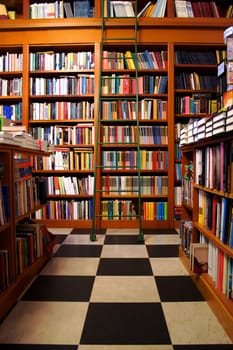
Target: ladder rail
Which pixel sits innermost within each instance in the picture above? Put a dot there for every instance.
(97, 162)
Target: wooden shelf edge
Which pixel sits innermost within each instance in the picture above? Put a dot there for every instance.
(218, 302)
(165, 22)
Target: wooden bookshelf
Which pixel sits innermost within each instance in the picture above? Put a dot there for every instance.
(66, 34)
(15, 282)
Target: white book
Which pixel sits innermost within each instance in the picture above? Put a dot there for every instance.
(181, 8)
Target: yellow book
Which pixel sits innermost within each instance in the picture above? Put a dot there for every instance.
(149, 10)
(129, 60)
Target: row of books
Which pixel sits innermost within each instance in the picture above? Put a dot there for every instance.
(125, 84)
(149, 160)
(126, 60)
(126, 210)
(195, 81)
(60, 9)
(4, 204)
(32, 241)
(178, 175)
(82, 133)
(187, 191)
(195, 57)
(11, 87)
(70, 185)
(220, 269)
(67, 210)
(195, 104)
(26, 196)
(155, 210)
(12, 111)
(118, 210)
(4, 270)
(52, 60)
(201, 9)
(149, 134)
(81, 84)
(177, 200)
(214, 167)
(66, 159)
(186, 228)
(216, 214)
(147, 109)
(128, 185)
(11, 62)
(218, 123)
(62, 110)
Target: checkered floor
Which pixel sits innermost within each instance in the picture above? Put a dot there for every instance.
(115, 294)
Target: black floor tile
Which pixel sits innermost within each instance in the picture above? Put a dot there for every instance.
(124, 267)
(37, 347)
(177, 288)
(60, 238)
(125, 323)
(60, 288)
(163, 250)
(86, 231)
(204, 347)
(122, 239)
(82, 250)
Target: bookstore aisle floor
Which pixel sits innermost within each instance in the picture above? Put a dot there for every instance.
(114, 294)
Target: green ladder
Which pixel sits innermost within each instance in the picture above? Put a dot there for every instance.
(132, 42)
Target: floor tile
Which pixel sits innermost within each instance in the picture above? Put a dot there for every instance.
(122, 231)
(84, 239)
(164, 250)
(177, 288)
(124, 251)
(124, 289)
(82, 250)
(121, 239)
(193, 323)
(60, 288)
(86, 231)
(125, 323)
(71, 266)
(124, 267)
(162, 239)
(167, 267)
(60, 231)
(44, 323)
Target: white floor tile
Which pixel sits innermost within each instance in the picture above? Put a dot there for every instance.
(71, 266)
(167, 267)
(193, 323)
(125, 289)
(124, 251)
(44, 323)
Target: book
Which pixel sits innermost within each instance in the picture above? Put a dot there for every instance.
(181, 8)
(68, 10)
(3, 12)
(199, 257)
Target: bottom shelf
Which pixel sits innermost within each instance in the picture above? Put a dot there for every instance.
(9, 296)
(219, 303)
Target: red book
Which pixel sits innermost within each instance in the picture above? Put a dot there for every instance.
(196, 9)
